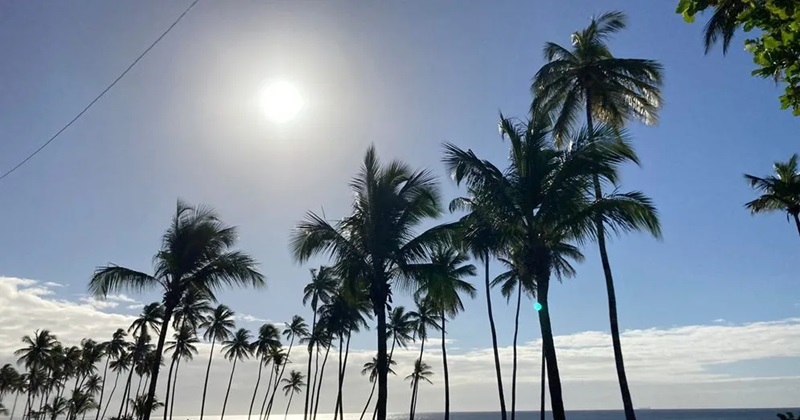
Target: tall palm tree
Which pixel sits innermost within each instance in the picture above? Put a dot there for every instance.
(323, 338)
(277, 356)
(378, 240)
(442, 286)
(296, 328)
(10, 383)
(120, 364)
(195, 254)
(322, 287)
(780, 191)
(218, 326)
(475, 234)
(268, 338)
(371, 369)
(112, 349)
(150, 319)
(540, 202)
(422, 372)
(426, 316)
(34, 355)
(509, 282)
(292, 385)
(182, 348)
(610, 90)
(237, 348)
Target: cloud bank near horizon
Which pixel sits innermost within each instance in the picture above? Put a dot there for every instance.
(714, 365)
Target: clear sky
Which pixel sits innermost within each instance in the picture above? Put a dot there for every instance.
(406, 77)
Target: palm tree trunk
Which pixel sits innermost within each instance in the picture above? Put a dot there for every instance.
(542, 401)
(556, 398)
(797, 222)
(255, 391)
(379, 308)
(627, 401)
(126, 392)
(499, 374)
(162, 336)
(169, 382)
(174, 389)
(263, 410)
(286, 414)
(280, 376)
(308, 371)
(446, 372)
(314, 386)
(339, 379)
(205, 383)
(228, 392)
(415, 386)
(514, 356)
(102, 389)
(14, 406)
(139, 386)
(369, 400)
(110, 396)
(319, 384)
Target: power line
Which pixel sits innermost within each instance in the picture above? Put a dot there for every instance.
(97, 98)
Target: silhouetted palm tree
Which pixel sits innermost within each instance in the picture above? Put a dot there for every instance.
(57, 407)
(182, 348)
(322, 287)
(237, 348)
(120, 364)
(780, 191)
(376, 248)
(541, 200)
(610, 90)
(195, 254)
(426, 316)
(292, 385)
(277, 356)
(422, 372)
(297, 328)
(268, 338)
(112, 349)
(219, 326)
(441, 286)
(34, 355)
(140, 404)
(371, 369)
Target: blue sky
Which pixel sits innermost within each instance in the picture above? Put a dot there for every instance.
(405, 77)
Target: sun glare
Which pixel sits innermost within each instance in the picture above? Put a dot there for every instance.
(281, 101)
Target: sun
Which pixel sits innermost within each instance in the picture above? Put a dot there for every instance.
(281, 101)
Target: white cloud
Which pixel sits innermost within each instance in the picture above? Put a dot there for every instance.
(667, 367)
(136, 306)
(719, 321)
(248, 318)
(53, 284)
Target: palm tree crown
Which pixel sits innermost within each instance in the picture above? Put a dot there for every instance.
(239, 346)
(779, 192)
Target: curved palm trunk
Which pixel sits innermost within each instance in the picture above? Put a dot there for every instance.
(205, 384)
(514, 356)
(627, 401)
(14, 406)
(102, 389)
(314, 386)
(162, 336)
(339, 380)
(369, 400)
(286, 414)
(446, 372)
(415, 387)
(797, 222)
(379, 307)
(110, 396)
(542, 400)
(174, 389)
(263, 410)
(126, 392)
(308, 381)
(553, 377)
(280, 376)
(169, 382)
(319, 384)
(499, 374)
(255, 390)
(228, 392)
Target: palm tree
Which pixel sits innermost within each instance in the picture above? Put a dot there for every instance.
(183, 347)
(34, 355)
(112, 349)
(612, 90)
(323, 338)
(120, 364)
(219, 326)
(475, 234)
(322, 287)
(508, 282)
(441, 286)
(10, 383)
(195, 254)
(140, 404)
(277, 356)
(293, 385)
(80, 403)
(268, 338)
(780, 191)
(297, 328)
(422, 372)
(378, 240)
(371, 369)
(151, 318)
(400, 328)
(192, 310)
(57, 407)
(540, 203)
(426, 316)
(237, 348)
